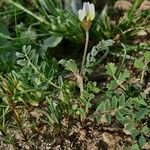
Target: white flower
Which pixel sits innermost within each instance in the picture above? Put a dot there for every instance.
(87, 12)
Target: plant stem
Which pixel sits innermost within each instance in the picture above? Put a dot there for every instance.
(81, 74)
(85, 51)
(119, 83)
(143, 73)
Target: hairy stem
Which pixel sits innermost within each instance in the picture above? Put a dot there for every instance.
(81, 74)
(119, 83)
(85, 51)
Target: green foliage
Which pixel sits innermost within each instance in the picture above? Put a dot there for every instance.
(32, 80)
(142, 64)
(91, 57)
(58, 21)
(118, 81)
(70, 65)
(129, 112)
(103, 24)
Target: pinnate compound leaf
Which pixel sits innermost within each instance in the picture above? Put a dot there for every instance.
(111, 69)
(69, 65)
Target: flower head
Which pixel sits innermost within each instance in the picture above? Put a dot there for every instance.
(87, 14)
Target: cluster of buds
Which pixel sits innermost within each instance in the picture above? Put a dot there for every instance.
(87, 15)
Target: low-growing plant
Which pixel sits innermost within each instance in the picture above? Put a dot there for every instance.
(60, 94)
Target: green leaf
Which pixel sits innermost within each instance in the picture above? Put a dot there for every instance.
(129, 102)
(139, 63)
(26, 49)
(101, 107)
(135, 147)
(112, 85)
(135, 133)
(107, 104)
(145, 130)
(142, 112)
(74, 107)
(111, 69)
(91, 86)
(19, 55)
(50, 75)
(31, 54)
(43, 66)
(28, 36)
(35, 59)
(122, 100)
(52, 41)
(125, 111)
(33, 102)
(123, 76)
(142, 140)
(22, 62)
(70, 65)
(140, 101)
(119, 116)
(60, 81)
(147, 56)
(27, 70)
(114, 102)
(129, 127)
